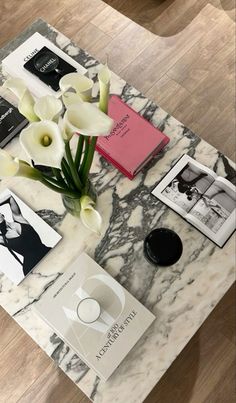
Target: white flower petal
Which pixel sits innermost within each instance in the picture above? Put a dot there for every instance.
(88, 120)
(32, 140)
(26, 101)
(48, 107)
(26, 107)
(104, 77)
(16, 85)
(70, 98)
(89, 216)
(81, 84)
(66, 132)
(8, 166)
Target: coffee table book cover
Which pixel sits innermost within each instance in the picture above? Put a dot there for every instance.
(11, 121)
(103, 344)
(133, 141)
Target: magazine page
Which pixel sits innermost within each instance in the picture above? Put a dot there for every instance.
(25, 239)
(214, 214)
(184, 185)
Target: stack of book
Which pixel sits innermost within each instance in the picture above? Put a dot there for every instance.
(41, 64)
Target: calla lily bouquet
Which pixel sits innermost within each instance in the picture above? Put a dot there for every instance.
(46, 140)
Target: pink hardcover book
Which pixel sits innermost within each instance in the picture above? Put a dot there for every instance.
(132, 142)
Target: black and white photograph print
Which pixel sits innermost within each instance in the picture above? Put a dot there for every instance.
(215, 206)
(188, 186)
(25, 239)
(205, 200)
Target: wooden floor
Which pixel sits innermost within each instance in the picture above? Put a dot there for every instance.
(182, 56)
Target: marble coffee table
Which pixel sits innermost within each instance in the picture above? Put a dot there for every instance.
(181, 296)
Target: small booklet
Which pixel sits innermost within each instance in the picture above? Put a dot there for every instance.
(133, 141)
(11, 121)
(103, 343)
(25, 239)
(47, 67)
(204, 199)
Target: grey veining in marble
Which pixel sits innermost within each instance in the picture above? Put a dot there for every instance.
(181, 296)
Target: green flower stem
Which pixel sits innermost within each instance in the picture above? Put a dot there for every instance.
(51, 179)
(86, 150)
(56, 182)
(27, 171)
(79, 151)
(73, 170)
(66, 172)
(65, 164)
(89, 159)
(57, 174)
(57, 189)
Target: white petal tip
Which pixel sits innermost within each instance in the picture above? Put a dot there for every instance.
(91, 219)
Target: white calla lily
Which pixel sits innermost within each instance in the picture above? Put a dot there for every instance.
(88, 120)
(78, 84)
(43, 143)
(26, 101)
(8, 165)
(15, 85)
(104, 77)
(48, 107)
(89, 216)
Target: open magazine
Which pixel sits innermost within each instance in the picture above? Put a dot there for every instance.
(200, 196)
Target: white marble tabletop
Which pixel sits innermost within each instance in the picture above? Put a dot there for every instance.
(181, 296)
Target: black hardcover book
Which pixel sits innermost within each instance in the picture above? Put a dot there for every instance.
(48, 67)
(11, 121)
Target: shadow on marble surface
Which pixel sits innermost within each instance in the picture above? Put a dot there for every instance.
(168, 17)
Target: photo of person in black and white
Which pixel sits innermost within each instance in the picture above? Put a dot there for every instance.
(203, 198)
(21, 245)
(215, 206)
(188, 186)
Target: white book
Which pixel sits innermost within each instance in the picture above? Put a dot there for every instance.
(13, 64)
(105, 342)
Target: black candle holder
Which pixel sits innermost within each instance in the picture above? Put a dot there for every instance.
(162, 247)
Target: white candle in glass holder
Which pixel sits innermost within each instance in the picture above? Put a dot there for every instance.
(88, 310)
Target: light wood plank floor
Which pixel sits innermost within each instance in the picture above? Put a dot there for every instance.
(185, 62)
